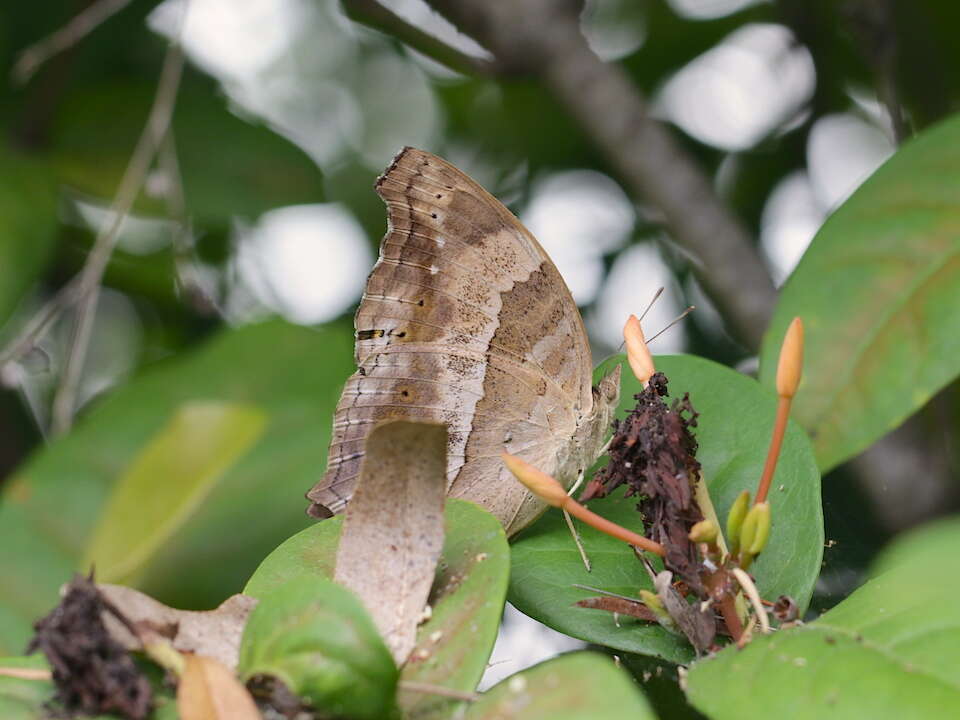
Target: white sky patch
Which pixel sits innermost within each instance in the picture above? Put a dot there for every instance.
(709, 9)
(137, 235)
(228, 38)
(614, 29)
(740, 91)
(521, 643)
(791, 217)
(842, 151)
(632, 282)
(308, 263)
(578, 216)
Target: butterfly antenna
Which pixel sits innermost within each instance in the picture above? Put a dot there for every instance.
(656, 295)
(673, 322)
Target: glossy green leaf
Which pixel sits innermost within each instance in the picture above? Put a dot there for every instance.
(578, 686)
(734, 426)
(167, 482)
(28, 226)
(466, 601)
(887, 652)
(317, 639)
(49, 509)
(878, 290)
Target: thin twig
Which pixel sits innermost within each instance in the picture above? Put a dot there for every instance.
(30, 60)
(26, 673)
(189, 282)
(372, 14)
(89, 291)
(38, 324)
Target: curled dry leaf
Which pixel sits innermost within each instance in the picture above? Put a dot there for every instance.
(393, 530)
(698, 625)
(619, 606)
(212, 633)
(208, 690)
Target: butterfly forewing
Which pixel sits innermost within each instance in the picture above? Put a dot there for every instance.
(464, 321)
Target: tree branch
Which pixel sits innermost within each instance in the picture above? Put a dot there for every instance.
(69, 35)
(543, 38)
(158, 122)
(374, 15)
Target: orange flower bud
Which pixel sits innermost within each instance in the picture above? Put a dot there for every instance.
(638, 354)
(536, 481)
(790, 364)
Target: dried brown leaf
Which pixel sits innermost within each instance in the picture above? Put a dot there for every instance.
(699, 626)
(393, 530)
(620, 606)
(213, 633)
(208, 690)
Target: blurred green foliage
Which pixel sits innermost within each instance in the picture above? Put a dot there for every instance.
(69, 132)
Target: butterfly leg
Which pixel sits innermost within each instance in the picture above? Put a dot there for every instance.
(573, 530)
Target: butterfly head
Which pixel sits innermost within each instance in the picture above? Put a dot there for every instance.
(607, 391)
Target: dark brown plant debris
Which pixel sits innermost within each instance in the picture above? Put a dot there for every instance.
(92, 672)
(276, 701)
(653, 453)
(785, 609)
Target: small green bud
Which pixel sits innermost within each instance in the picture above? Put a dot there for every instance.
(705, 531)
(762, 532)
(656, 606)
(748, 531)
(738, 511)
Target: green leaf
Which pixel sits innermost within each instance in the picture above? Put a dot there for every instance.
(24, 699)
(315, 637)
(28, 226)
(49, 510)
(466, 601)
(887, 652)
(167, 482)
(878, 290)
(571, 687)
(734, 427)
(925, 541)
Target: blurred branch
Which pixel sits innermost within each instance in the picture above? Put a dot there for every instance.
(873, 26)
(372, 14)
(543, 38)
(29, 61)
(38, 324)
(188, 279)
(158, 123)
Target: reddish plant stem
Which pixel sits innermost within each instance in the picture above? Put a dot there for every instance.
(717, 583)
(611, 528)
(773, 454)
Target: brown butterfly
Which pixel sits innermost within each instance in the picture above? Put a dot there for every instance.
(466, 321)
